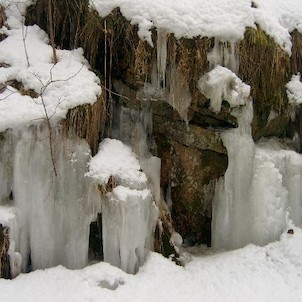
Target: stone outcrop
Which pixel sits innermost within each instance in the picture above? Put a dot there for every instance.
(4, 257)
(188, 143)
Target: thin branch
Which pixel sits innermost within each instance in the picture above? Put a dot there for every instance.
(50, 137)
(114, 93)
(24, 36)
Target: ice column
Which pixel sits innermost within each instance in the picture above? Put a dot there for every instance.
(231, 213)
(6, 167)
(129, 218)
(54, 212)
(259, 192)
(129, 213)
(161, 57)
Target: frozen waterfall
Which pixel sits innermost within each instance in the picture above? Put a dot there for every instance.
(260, 193)
(128, 210)
(49, 215)
(53, 213)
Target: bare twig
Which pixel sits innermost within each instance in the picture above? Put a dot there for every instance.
(114, 93)
(50, 136)
(24, 36)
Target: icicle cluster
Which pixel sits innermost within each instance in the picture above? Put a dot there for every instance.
(53, 212)
(129, 212)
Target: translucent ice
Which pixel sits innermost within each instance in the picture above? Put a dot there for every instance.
(161, 56)
(224, 54)
(129, 213)
(53, 213)
(261, 188)
(129, 218)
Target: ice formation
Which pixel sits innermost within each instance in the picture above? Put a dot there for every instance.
(224, 20)
(179, 96)
(129, 213)
(53, 213)
(161, 57)
(224, 54)
(212, 18)
(135, 129)
(260, 192)
(222, 84)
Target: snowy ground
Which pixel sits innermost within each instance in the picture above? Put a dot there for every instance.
(270, 273)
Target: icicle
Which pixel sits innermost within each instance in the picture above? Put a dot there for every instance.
(179, 96)
(54, 212)
(230, 226)
(129, 213)
(224, 54)
(6, 167)
(261, 184)
(129, 218)
(161, 58)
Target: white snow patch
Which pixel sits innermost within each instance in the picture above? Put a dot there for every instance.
(118, 160)
(278, 19)
(222, 84)
(263, 274)
(62, 86)
(225, 20)
(294, 90)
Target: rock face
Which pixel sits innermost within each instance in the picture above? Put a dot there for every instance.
(185, 129)
(4, 257)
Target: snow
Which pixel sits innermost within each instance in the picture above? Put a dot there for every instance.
(222, 84)
(224, 20)
(116, 159)
(262, 274)
(62, 86)
(279, 18)
(294, 90)
(129, 213)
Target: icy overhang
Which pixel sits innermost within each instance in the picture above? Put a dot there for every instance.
(115, 159)
(224, 20)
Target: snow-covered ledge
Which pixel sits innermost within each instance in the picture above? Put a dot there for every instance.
(128, 211)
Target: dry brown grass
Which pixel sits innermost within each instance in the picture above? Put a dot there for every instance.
(266, 68)
(4, 257)
(296, 58)
(87, 122)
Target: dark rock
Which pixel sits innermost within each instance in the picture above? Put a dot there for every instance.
(4, 257)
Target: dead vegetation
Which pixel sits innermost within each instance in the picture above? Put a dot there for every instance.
(87, 122)
(2, 21)
(4, 257)
(266, 68)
